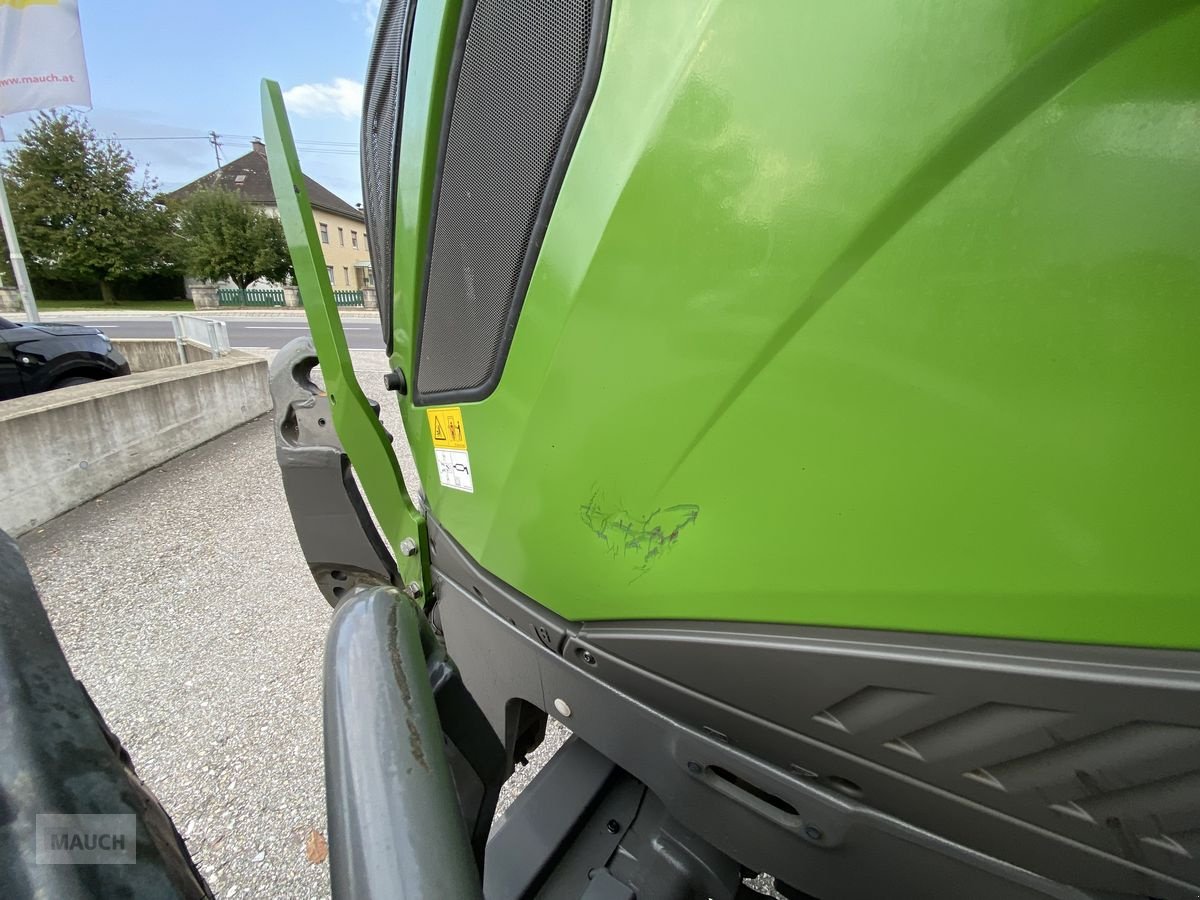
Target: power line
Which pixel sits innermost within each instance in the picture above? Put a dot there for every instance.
(161, 137)
(254, 137)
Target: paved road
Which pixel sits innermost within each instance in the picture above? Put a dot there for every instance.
(273, 333)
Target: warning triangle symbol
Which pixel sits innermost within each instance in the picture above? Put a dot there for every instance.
(438, 433)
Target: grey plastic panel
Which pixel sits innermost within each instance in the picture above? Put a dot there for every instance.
(1100, 745)
(924, 760)
(333, 524)
(832, 847)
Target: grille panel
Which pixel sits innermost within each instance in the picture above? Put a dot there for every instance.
(522, 75)
(383, 97)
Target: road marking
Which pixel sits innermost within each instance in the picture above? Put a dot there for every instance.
(300, 327)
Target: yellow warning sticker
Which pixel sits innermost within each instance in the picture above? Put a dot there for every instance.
(446, 426)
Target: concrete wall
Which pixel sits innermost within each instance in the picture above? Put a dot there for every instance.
(148, 354)
(63, 447)
(10, 300)
(204, 296)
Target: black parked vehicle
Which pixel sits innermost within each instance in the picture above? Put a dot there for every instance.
(41, 357)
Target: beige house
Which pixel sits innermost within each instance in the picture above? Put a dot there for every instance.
(344, 243)
(341, 226)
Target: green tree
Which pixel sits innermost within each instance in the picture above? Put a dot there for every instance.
(222, 236)
(6, 273)
(81, 210)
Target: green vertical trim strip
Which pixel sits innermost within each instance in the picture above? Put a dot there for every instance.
(362, 435)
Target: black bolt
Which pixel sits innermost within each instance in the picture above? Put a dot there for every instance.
(694, 768)
(813, 833)
(395, 381)
(613, 826)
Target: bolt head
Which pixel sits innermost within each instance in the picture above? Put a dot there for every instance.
(587, 657)
(413, 589)
(813, 833)
(694, 768)
(395, 381)
(408, 547)
(563, 709)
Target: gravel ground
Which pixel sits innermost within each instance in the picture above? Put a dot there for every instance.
(185, 606)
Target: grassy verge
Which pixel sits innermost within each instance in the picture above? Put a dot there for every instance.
(157, 305)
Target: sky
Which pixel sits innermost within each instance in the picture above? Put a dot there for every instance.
(179, 69)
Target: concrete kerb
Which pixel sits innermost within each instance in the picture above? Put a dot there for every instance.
(61, 448)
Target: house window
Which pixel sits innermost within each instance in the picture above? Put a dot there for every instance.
(324, 233)
(329, 269)
(346, 275)
(354, 239)
(341, 237)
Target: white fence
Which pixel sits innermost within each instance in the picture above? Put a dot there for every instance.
(210, 333)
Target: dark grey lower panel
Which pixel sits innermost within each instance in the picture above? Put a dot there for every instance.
(854, 764)
(1099, 746)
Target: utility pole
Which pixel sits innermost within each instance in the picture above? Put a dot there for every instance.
(14, 254)
(214, 139)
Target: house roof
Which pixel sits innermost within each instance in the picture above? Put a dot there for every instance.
(249, 177)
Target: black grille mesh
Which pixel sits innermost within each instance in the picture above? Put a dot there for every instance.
(382, 98)
(520, 78)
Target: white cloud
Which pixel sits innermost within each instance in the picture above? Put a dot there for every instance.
(365, 11)
(340, 97)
